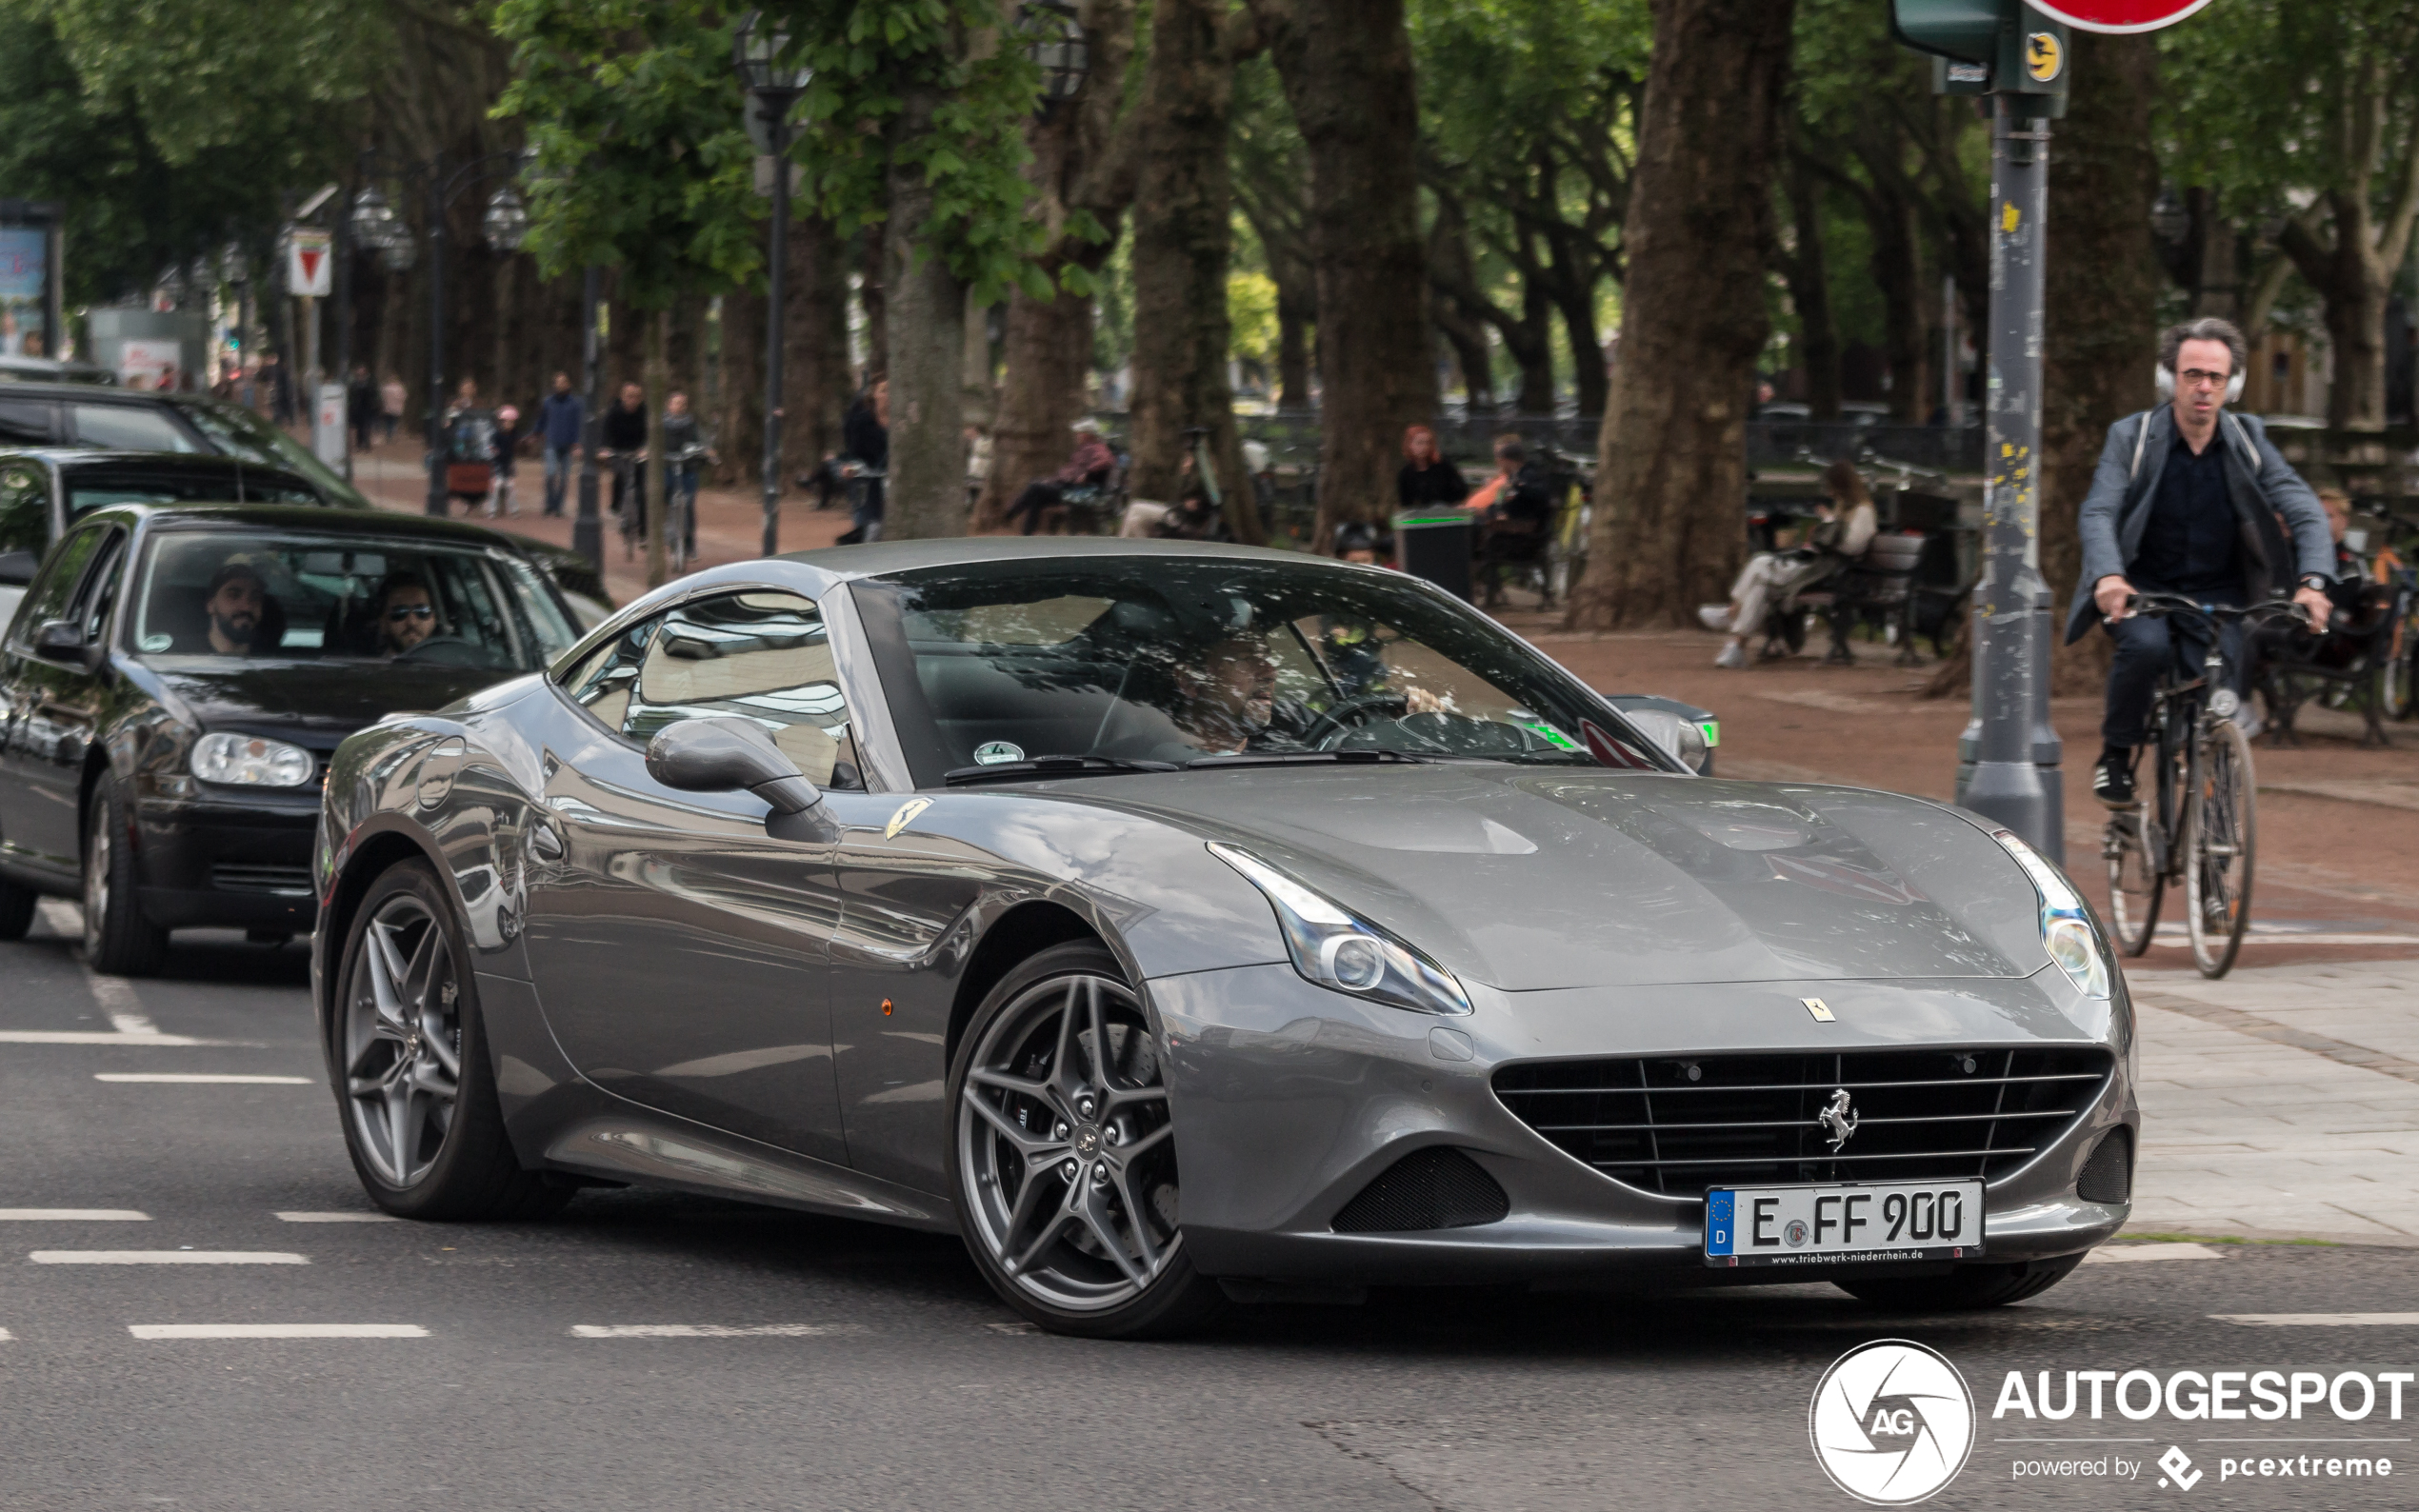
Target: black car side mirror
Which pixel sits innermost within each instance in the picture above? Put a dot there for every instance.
(724, 754)
(63, 641)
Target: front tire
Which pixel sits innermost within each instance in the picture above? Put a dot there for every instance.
(118, 939)
(16, 910)
(2135, 885)
(422, 1122)
(2219, 848)
(1063, 1158)
(1966, 1288)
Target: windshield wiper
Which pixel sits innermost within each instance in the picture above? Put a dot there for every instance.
(1305, 758)
(1050, 766)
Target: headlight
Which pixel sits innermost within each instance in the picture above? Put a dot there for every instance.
(251, 760)
(1340, 950)
(2066, 926)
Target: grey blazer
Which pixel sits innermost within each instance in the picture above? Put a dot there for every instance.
(2259, 482)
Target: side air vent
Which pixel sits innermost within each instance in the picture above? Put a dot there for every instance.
(2108, 1176)
(284, 882)
(1429, 1189)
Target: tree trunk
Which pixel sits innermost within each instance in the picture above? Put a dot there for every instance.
(2100, 317)
(814, 363)
(659, 379)
(926, 319)
(2356, 296)
(1346, 70)
(1898, 270)
(872, 300)
(739, 426)
(1293, 352)
(1049, 348)
(1671, 497)
(1182, 235)
(1531, 344)
(1578, 308)
(1809, 274)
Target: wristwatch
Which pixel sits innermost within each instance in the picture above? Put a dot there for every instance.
(2312, 580)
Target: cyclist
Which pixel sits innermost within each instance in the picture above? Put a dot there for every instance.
(2187, 499)
(684, 442)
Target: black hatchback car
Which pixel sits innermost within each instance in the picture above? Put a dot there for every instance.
(177, 677)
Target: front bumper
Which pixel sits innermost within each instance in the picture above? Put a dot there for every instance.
(1289, 1100)
(211, 864)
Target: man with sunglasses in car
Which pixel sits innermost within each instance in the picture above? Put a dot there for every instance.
(2188, 499)
(406, 614)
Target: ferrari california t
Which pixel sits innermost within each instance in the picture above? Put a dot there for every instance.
(1183, 923)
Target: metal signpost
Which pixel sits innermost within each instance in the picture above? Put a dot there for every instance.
(2016, 54)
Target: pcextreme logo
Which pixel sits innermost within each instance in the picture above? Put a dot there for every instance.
(1892, 1423)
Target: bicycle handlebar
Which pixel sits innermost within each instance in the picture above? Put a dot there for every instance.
(2160, 605)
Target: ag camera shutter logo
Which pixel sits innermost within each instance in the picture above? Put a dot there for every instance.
(1892, 1423)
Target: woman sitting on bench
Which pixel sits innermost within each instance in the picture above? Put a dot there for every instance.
(1830, 544)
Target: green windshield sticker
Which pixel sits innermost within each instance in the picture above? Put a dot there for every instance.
(1712, 728)
(1550, 735)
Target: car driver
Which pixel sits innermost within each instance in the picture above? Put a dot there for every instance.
(237, 598)
(1226, 696)
(406, 615)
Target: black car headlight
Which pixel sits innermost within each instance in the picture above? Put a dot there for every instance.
(1340, 950)
(2066, 926)
(251, 760)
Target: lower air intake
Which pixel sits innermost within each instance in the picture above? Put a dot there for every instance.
(2108, 1176)
(1430, 1188)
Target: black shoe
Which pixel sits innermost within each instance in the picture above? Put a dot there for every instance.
(2112, 781)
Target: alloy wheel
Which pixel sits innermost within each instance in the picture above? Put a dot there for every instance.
(402, 1041)
(1066, 1146)
(99, 855)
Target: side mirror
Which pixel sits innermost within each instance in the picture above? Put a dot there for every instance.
(62, 640)
(1677, 736)
(724, 754)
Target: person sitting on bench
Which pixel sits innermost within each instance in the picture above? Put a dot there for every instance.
(1089, 467)
(1833, 543)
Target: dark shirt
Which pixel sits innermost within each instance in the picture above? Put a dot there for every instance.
(679, 431)
(625, 430)
(866, 438)
(2191, 544)
(507, 446)
(1439, 482)
(560, 419)
(1528, 498)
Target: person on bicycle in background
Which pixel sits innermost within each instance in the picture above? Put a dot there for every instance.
(682, 444)
(2187, 499)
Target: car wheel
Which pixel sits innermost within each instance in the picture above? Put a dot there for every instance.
(1968, 1287)
(1063, 1156)
(119, 941)
(16, 910)
(422, 1123)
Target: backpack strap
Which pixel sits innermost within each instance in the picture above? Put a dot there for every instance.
(2141, 437)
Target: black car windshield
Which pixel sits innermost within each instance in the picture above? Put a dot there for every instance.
(282, 595)
(239, 432)
(1176, 660)
(97, 487)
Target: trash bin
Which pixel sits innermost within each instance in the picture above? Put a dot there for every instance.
(1435, 546)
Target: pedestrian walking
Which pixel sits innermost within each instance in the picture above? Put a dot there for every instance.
(562, 421)
(468, 434)
(281, 389)
(507, 448)
(361, 406)
(392, 398)
(866, 432)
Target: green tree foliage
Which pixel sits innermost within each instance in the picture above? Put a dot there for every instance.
(642, 159)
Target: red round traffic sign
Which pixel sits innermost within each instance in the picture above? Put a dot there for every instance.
(2118, 15)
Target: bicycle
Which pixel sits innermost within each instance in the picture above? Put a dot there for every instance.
(2196, 828)
(634, 507)
(680, 504)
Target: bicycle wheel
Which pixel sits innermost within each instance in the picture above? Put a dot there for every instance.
(2135, 885)
(2395, 679)
(2219, 820)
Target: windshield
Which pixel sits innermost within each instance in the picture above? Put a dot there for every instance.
(1158, 659)
(285, 595)
(239, 432)
(90, 488)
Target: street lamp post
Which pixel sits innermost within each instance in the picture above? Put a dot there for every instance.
(588, 526)
(773, 86)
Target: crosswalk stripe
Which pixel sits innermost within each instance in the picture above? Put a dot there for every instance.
(200, 1078)
(165, 1257)
(714, 1330)
(2321, 1320)
(338, 1218)
(94, 1037)
(156, 1331)
(2113, 1254)
(73, 1215)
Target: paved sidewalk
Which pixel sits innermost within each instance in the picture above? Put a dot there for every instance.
(2282, 1102)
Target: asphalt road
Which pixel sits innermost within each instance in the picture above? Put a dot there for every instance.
(834, 1364)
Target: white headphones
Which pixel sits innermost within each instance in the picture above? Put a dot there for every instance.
(2167, 383)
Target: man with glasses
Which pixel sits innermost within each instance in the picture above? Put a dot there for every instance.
(406, 615)
(2188, 499)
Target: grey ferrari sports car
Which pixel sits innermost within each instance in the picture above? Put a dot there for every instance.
(1186, 924)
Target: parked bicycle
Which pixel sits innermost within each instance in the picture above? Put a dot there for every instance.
(2196, 825)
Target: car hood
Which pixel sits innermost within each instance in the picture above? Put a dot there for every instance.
(313, 703)
(1529, 879)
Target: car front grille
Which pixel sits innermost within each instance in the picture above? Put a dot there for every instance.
(285, 881)
(1676, 1124)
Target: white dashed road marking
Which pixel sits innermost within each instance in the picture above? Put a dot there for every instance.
(713, 1330)
(277, 1330)
(94, 1037)
(165, 1257)
(2113, 1254)
(338, 1218)
(2321, 1320)
(6, 1336)
(197, 1078)
(73, 1215)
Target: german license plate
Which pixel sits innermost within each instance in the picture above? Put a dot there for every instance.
(1818, 1226)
